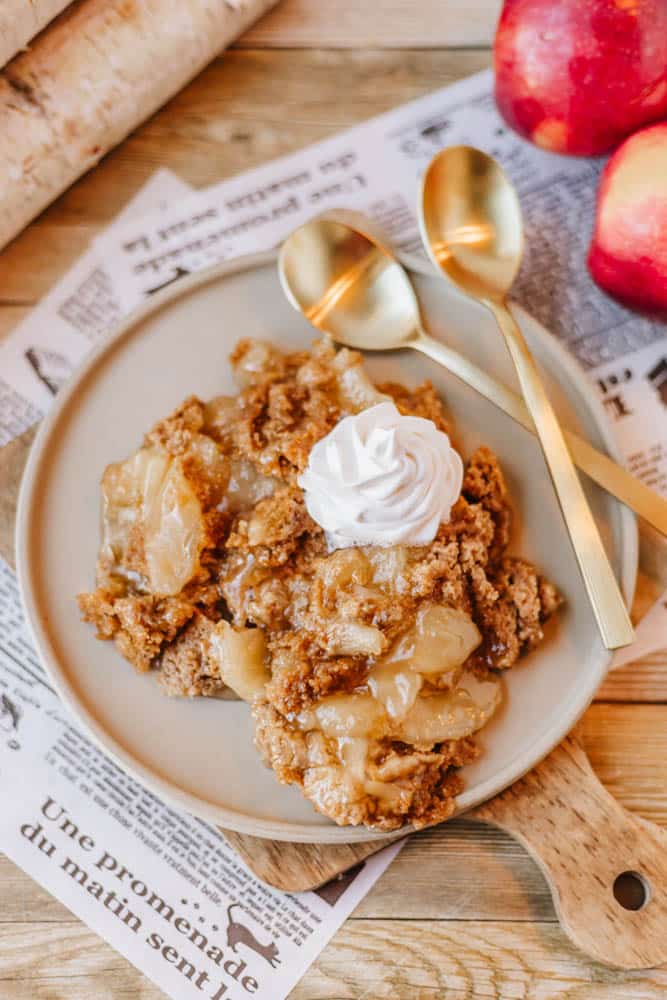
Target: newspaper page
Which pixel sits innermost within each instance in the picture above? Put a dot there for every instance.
(375, 168)
(162, 887)
(44, 349)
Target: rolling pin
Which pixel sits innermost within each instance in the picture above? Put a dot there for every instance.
(102, 68)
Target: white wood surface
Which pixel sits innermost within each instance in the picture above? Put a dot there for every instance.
(402, 24)
(366, 960)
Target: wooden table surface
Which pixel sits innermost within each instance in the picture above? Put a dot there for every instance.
(463, 912)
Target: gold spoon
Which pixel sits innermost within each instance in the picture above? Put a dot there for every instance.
(471, 225)
(350, 287)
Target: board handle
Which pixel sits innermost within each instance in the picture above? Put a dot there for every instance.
(301, 867)
(606, 868)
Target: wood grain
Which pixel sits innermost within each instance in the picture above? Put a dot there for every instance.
(464, 869)
(627, 748)
(428, 24)
(10, 316)
(366, 960)
(583, 840)
(439, 960)
(297, 867)
(642, 681)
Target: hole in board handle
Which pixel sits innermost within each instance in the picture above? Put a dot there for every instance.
(631, 890)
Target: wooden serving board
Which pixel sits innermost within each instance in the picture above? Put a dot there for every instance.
(607, 869)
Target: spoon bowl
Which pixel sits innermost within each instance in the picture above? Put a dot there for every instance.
(471, 222)
(349, 286)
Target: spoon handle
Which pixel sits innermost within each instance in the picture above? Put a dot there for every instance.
(606, 600)
(599, 467)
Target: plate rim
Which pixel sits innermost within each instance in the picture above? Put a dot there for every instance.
(169, 791)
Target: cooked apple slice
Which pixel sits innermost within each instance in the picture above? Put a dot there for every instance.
(395, 686)
(173, 531)
(389, 566)
(340, 715)
(152, 523)
(451, 715)
(348, 638)
(124, 485)
(356, 391)
(246, 486)
(439, 643)
(342, 568)
(240, 655)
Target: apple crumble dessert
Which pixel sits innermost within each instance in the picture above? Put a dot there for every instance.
(315, 545)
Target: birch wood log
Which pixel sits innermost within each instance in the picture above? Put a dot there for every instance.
(104, 67)
(21, 20)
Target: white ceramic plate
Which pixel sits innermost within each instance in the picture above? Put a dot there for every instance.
(199, 754)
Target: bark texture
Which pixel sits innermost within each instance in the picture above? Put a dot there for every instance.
(99, 71)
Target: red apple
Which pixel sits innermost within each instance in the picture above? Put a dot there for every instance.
(628, 254)
(577, 76)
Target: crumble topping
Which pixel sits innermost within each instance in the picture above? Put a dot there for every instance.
(368, 668)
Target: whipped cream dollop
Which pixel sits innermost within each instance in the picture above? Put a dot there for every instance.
(381, 478)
